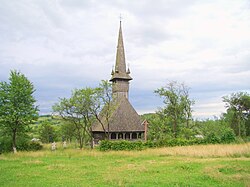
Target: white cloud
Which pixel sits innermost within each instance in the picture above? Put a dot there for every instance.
(62, 45)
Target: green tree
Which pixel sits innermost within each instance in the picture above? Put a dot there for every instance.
(238, 112)
(159, 128)
(187, 104)
(68, 131)
(77, 110)
(215, 131)
(103, 106)
(47, 132)
(177, 104)
(17, 105)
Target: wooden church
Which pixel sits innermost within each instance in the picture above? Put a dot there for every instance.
(124, 122)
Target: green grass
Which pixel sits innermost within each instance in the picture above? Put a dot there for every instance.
(180, 166)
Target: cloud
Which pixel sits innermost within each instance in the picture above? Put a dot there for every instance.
(62, 45)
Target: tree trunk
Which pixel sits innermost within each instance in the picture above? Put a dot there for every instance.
(91, 142)
(14, 141)
(239, 126)
(81, 143)
(175, 129)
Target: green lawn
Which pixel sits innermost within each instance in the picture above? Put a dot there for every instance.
(153, 167)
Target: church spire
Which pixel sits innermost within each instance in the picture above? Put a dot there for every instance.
(120, 75)
(120, 64)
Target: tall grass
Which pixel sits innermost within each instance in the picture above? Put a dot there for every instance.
(226, 150)
(220, 150)
(171, 166)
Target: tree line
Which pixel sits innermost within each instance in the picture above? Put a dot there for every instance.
(174, 119)
(76, 114)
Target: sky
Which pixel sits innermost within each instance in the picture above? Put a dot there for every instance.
(61, 45)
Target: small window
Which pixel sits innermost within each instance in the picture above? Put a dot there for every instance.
(113, 136)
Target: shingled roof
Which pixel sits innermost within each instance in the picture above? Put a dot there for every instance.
(124, 118)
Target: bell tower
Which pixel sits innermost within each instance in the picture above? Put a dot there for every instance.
(120, 74)
(123, 122)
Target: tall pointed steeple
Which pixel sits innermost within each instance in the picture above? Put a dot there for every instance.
(120, 75)
(123, 121)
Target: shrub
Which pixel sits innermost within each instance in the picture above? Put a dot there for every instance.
(212, 139)
(23, 144)
(106, 145)
(35, 146)
(228, 136)
(5, 145)
(150, 144)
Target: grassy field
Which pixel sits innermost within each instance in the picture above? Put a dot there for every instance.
(211, 165)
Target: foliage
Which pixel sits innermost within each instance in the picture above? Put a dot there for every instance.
(68, 131)
(23, 144)
(212, 138)
(82, 109)
(103, 106)
(211, 131)
(47, 132)
(177, 107)
(17, 109)
(107, 145)
(228, 136)
(215, 131)
(77, 111)
(187, 133)
(173, 142)
(159, 127)
(238, 112)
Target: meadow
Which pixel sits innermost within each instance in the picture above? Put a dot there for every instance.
(201, 165)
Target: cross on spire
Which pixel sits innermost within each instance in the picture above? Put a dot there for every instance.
(120, 17)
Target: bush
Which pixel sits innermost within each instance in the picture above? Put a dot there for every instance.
(172, 142)
(107, 145)
(212, 139)
(47, 132)
(35, 146)
(228, 136)
(23, 144)
(5, 145)
(150, 144)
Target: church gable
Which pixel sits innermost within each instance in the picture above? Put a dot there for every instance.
(125, 118)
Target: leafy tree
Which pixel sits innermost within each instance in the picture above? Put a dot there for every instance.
(177, 104)
(159, 128)
(68, 131)
(215, 131)
(238, 112)
(47, 132)
(186, 104)
(103, 105)
(77, 110)
(17, 105)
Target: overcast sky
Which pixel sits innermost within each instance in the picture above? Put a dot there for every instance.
(65, 44)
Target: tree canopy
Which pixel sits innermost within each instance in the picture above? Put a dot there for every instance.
(17, 105)
(238, 112)
(177, 106)
(77, 110)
